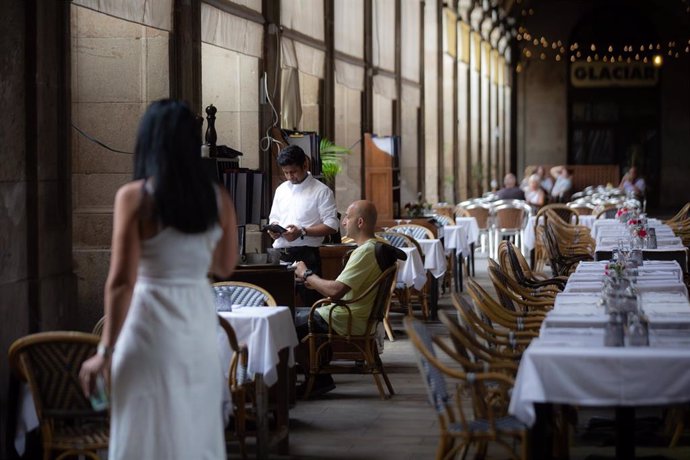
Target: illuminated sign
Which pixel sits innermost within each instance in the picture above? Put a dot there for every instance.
(602, 74)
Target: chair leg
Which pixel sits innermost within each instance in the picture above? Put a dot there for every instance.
(381, 369)
(389, 329)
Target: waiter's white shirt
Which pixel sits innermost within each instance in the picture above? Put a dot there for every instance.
(305, 204)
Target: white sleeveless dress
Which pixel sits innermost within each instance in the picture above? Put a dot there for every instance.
(167, 382)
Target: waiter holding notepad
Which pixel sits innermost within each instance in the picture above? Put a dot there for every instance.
(305, 209)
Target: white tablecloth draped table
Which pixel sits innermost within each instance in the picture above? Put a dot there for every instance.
(265, 331)
(471, 228)
(434, 257)
(569, 364)
(411, 272)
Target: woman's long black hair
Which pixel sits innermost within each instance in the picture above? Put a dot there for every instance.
(168, 151)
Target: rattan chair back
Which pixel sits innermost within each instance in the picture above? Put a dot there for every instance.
(50, 363)
(241, 293)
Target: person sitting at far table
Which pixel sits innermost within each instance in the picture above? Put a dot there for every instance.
(560, 192)
(535, 195)
(631, 183)
(510, 190)
(359, 273)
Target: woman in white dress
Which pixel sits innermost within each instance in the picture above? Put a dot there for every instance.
(171, 227)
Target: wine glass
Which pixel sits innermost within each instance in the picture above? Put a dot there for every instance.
(408, 221)
(398, 221)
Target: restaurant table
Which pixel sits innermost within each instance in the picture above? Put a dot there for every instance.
(460, 240)
(568, 363)
(435, 263)
(528, 233)
(268, 333)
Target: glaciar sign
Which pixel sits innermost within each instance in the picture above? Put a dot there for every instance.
(602, 74)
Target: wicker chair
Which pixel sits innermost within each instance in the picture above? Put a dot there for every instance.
(360, 347)
(498, 338)
(514, 264)
(468, 349)
(50, 363)
(525, 299)
(582, 209)
(239, 387)
(418, 232)
(482, 214)
(510, 218)
(462, 428)
(566, 213)
(405, 295)
(98, 327)
(240, 293)
(608, 212)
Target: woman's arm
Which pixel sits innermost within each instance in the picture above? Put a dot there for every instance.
(125, 251)
(226, 253)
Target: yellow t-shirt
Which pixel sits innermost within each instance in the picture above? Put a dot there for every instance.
(359, 273)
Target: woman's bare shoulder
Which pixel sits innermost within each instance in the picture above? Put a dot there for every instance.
(129, 194)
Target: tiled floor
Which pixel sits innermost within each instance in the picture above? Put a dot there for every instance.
(351, 422)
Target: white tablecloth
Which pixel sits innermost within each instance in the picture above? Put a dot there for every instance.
(265, 331)
(568, 363)
(411, 272)
(577, 369)
(434, 257)
(471, 228)
(456, 239)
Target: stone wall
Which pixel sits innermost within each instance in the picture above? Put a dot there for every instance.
(117, 68)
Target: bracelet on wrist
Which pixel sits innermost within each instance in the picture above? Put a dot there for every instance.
(104, 350)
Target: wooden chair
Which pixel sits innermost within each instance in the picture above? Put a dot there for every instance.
(500, 339)
(514, 265)
(471, 354)
(609, 212)
(515, 321)
(510, 218)
(418, 232)
(98, 327)
(406, 295)
(463, 426)
(482, 214)
(511, 292)
(360, 347)
(50, 362)
(238, 385)
(565, 212)
(582, 209)
(230, 293)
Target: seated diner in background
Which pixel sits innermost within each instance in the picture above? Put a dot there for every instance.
(632, 184)
(562, 188)
(359, 273)
(535, 195)
(510, 190)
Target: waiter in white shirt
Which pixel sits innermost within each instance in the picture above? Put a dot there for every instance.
(306, 209)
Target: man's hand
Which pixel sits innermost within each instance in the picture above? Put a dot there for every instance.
(300, 268)
(273, 235)
(293, 232)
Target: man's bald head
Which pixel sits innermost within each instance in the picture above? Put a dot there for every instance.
(361, 218)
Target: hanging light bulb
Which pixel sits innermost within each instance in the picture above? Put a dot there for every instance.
(519, 37)
(578, 54)
(593, 47)
(620, 58)
(553, 45)
(606, 59)
(589, 59)
(658, 60)
(535, 42)
(596, 57)
(610, 49)
(542, 56)
(558, 58)
(572, 58)
(645, 60)
(561, 50)
(637, 57)
(628, 60)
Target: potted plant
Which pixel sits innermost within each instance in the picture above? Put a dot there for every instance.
(331, 158)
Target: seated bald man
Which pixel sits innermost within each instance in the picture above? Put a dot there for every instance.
(510, 190)
(359, 273)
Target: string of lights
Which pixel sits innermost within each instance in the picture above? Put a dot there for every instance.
(644, 51)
